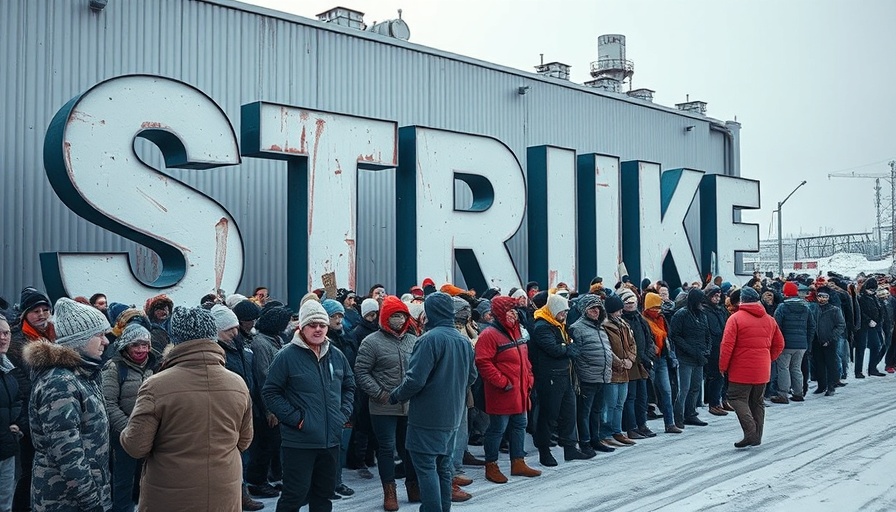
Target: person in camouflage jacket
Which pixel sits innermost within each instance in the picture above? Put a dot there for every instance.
(69, 426)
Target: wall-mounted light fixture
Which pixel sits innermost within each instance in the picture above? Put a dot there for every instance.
(689, 128)
(97, 5)
(523, 89)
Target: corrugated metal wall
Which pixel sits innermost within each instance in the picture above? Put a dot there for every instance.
(53, 50)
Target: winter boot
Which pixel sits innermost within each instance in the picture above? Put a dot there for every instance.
(586, 449)
(459, 495)
(573, 453)
(545, 457)
(390, 497)
(493, 473)
(413, 489)
(518, 467)
(471, 460)
(249, 503)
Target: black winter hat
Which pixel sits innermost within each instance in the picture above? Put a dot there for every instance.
(273, 321)
(612, 304)
(540, 299)
(871, 284)
(748, 295)
(31, 298)
(192, 324)
(246, 310)
(596, 280)
(531, 284)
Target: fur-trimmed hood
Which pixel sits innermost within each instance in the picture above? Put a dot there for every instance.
(42, 355)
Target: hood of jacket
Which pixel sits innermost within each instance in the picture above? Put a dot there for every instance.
(201, 351)
(695, 299)
(754, 308)
(392, 305)
(42, 356)
(439, 308)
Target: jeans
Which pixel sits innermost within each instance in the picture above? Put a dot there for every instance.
(634, 412)
(746, 399)
(690, 380)
(659, 375)
(790, 374)
(434, 474)
(875, 356)
(343, 453)
(7, 483)
(391, 432)
(460, 442)
(309, 477)
(556, 402)
(614, 401)
(124, 468)
(497, 425)
(843, 356)
(715, 384)
(588, 413)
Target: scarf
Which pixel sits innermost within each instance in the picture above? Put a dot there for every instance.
(545, 314)
(32, 334)
(6, 365)
(657, 324)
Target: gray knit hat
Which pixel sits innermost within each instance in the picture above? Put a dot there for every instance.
(588, 301)
(224, 318)
(133, 333)
(312, 311)
(76, 323)
(192, 324)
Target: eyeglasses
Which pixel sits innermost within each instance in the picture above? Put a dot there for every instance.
(318, 325)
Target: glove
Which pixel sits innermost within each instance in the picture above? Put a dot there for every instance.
(508, 387)
(573, 350)
(872, 324)
(392, 399)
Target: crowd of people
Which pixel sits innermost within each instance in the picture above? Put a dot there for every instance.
(109, 406)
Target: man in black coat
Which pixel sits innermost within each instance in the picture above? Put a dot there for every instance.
(689, 332)
(829, 330)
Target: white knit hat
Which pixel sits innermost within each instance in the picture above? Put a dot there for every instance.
(369, 306)
(224, 317)
(312, 311)
(557, 304)
(233, 300)
(75, 323)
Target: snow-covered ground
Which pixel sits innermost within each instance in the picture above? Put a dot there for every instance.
(850, 264)
(825, 454)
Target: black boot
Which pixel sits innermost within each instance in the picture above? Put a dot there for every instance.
(546, 458)
(586, 449)
(573, 453)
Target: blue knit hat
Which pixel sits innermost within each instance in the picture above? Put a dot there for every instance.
(333, 307)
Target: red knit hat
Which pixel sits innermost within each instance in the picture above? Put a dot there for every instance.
(790, 289)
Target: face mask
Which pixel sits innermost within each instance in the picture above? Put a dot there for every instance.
(396, 323)
(139, 358)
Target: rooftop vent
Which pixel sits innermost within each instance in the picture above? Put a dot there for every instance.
(642, 94)
(344, 17)
(553, 69)
(696, 107)
(605, 83)
(392, 28)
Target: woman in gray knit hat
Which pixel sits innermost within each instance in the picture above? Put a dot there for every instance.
(69, 426)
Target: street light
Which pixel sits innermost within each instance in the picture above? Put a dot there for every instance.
(780, 245)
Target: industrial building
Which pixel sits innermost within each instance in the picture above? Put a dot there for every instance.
(54, 50)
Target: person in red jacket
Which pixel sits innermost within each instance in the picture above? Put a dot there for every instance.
(751, 341)
(503, 362)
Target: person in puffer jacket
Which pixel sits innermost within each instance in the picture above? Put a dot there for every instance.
(123, 375)
(503, 363)
(797, 324)
(594, 368)
(690, 335)
(751, 341)
(379, 368)
(68, 420)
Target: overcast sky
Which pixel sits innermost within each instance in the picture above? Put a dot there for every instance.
(812, 82)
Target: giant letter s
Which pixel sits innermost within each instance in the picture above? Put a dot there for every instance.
(91, 164)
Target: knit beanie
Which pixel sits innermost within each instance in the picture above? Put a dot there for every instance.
(626, 295)
(133, 333)
(870, 284)
(114, 310)
(415, 309)
(652, 300)
(748, 294)
(31, 298)
(75, 323)
(540, 299)
(273, 321)
(825, 290)
(309, 296)
(246, 310)
(557, 304)
(333, 307)
(224, 317)
(232, 300)
(462, 310)
(312, 311)
(407, 297)
(790, 289)
(588, 301)
(194, 323)
(516, 293)
(612, 304)
(483, 307)
(369, 306)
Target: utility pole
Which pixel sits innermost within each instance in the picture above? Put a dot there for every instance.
(780, 234)
(893, 210)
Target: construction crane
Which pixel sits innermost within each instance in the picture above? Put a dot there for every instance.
(889, 177)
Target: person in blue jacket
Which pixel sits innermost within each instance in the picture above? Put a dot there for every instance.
(440, 370)
(310, 388)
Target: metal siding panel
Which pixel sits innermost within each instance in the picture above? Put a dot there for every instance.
(59, 48)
